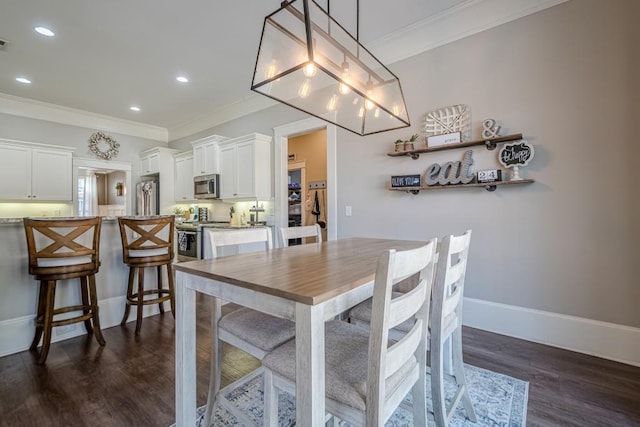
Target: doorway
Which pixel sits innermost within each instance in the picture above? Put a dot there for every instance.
(282, 135)
(100, 188)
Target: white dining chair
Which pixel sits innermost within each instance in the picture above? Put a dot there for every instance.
(445, 326)
(310, 231)
(250, 330)
(365, 378)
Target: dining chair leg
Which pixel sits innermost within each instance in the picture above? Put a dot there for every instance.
(171, 284)
(271, 400)
(215, 370)
(47, 321)
(127, 306)
(140, 299)
(42, 304)
(420, 392)
(86, 309)
(159, 273)
(97, 331)
(437, 384)
(458, 368)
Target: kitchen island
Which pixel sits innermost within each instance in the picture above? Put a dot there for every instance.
(18, 289)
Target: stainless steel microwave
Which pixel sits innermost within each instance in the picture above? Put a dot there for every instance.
(206, 186)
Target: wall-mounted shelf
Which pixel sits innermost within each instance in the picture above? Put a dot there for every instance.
(489, 186)
(490, 144)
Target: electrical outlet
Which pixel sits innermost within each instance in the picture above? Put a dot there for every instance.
(65, 329)
(348, 211)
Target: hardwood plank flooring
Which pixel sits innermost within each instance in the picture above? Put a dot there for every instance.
(130, 381)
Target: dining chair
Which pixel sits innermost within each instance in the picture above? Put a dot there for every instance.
(366, 378)
(289, 233)
(147, 242)
(445, 326)
(62, 249)
(252, 331)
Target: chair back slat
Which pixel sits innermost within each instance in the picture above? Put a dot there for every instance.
(147, 239)
(385, 361)
(63, 245)
(287, 233)
(448, 290)
(239, 237)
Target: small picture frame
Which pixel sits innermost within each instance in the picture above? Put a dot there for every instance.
(402, 181)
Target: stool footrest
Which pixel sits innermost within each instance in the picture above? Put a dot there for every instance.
(163, 295)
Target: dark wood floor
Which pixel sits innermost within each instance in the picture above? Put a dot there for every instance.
(130, 381)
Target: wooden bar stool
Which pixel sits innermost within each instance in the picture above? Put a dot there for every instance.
(63, 249)
(147, 242)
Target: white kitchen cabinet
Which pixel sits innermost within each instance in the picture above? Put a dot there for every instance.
(35, 172)
(150, 163)
(205, 155)
(183, 186)
(245, 168)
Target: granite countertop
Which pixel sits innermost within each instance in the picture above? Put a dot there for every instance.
(10, 221)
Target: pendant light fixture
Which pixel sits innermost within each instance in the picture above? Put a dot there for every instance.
(308, 61)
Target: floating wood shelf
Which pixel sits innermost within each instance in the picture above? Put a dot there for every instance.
(489, 186)
(489, 143)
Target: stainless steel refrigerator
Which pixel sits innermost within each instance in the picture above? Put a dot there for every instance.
(147, 198)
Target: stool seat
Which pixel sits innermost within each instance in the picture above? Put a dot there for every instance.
(62, 249)
(147, 242)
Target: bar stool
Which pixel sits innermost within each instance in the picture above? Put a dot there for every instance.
(64, 249)
(147, 242)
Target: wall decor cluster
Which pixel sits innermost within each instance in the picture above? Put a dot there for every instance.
(458, 174)
(99, 140)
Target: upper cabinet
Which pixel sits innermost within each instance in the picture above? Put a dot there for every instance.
(205, 155)
(183, 186)
(245, 168)
(35, 172)
(159, 161)
(149, 162)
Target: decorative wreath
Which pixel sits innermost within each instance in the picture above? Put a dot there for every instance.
(94, 145)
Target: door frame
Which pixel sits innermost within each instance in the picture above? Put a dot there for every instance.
(281, 135)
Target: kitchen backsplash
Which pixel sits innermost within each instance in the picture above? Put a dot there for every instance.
(19, 210)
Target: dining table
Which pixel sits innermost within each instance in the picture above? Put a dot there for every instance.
(308, 284)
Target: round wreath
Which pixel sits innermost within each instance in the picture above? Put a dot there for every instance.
(94, 143)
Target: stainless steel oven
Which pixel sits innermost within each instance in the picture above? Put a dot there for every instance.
(188, 244)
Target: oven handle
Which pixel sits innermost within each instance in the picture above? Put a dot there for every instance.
(190, 233)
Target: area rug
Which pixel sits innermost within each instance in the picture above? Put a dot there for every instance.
(499, 400)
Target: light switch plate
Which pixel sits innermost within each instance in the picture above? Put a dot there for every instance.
(348, 211)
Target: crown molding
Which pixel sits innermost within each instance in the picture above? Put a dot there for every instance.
(450, 25)
(24, 107)
(247, 105)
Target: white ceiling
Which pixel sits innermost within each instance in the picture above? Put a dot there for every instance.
(110, 54)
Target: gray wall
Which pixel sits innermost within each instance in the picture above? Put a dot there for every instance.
(565, 78)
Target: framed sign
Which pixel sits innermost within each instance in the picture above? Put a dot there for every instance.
(401, 181)
(515, 154)
(443, 139)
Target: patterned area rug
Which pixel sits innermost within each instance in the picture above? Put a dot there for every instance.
(499, 400)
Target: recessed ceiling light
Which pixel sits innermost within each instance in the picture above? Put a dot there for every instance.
(134, 108)
(45, 31)
(23, 80)
(182, 79)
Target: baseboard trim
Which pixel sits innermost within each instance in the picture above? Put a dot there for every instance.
(16, 334)
(611, 341)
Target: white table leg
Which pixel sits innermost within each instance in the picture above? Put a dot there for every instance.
(310, 365)
(185, 352)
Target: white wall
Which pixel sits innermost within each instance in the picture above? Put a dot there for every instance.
(565, 78)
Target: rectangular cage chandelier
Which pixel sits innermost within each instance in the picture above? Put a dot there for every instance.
(308, 61)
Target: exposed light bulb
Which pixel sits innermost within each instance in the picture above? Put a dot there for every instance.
(355, 100)
(305, 89)
(361, 112)
(395, 109)
(344, 87)
(271, 70)
(377, 113)
(333, 102)
(369, 105)
(310, 69)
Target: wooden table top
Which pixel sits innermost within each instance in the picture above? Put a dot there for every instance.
(309, 274)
